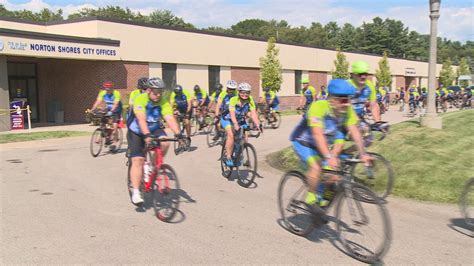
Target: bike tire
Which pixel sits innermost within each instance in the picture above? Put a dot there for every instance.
(277, 123)
(302, 222)
(97, 140)
(210, 136)
(350, 195)
(225, 170)
(466, 203)
(166, 201)
(247, 176)
(263, 120)
(382, 181)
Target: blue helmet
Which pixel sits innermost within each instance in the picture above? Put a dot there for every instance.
(340, 87)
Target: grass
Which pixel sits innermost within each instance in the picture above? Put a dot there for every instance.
(18, 137)
(429, 164)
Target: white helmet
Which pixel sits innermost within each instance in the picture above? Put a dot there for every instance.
(232, 84)
(244, 86)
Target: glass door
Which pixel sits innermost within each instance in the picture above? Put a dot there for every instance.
(24, 89)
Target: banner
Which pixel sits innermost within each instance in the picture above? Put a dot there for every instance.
(17, 117)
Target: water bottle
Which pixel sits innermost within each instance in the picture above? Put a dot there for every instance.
(146, 171)
(369, 171)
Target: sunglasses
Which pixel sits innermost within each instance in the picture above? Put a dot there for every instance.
(343, 100)
(362, 75)
(245, 92)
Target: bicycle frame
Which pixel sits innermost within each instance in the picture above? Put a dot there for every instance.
(148, 186)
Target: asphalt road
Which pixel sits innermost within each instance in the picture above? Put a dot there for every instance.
(60, 205)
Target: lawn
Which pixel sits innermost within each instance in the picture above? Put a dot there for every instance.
(17, 137)
(429, 164)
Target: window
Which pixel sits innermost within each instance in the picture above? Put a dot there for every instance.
(169, 75)
(214, 77)
(298, 76)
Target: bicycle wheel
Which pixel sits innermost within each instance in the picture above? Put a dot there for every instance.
(119, 141)
(262, 119)
(97, 141)
(467, 203)
(166, 193)
(294, 212)
(276, 124)
(210, 134)
(378, 177)
(247, 167)
(226, 170)
(364, 228)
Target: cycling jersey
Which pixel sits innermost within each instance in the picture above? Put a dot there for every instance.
(225, 101)
(154, 112)
(215, 96)
(308, 94)
(320, 115)
(271, 98)
(379, 96)
(323, 95)
(180, 100)
(240, 107)
(110, 100)
(444, 92)
(366, 94)
(201, 96)
(413, 93)
(133, 95)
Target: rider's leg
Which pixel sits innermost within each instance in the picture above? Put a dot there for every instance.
(229, 144)
(137, 155)
(187, 126)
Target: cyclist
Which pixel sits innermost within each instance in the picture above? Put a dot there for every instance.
(308, 94)
(451, 98)
(148, 109)
(202, 101)
(424, 97)
(444, 96)
(413, 98)
(181, 102)
(380, 94)
(240, 107)
(323, 94)
(215, 95)
(113, 105)
(222, 105)
(401, 98)
(365, 90)
(325, 124)
(271, 101)
(141, 88)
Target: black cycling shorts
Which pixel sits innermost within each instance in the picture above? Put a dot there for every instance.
(136, 143)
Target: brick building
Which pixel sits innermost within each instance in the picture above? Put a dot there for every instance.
(59, 65)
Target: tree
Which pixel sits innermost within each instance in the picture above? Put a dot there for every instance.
(270, 67)
(108, 12)
(341, 65)
(167, 18)
(383, 74)
(446, 76)
(463, 70)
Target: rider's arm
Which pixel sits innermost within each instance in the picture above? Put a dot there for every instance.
(233, 101)
(351, 124)
(219, 102)
(315, 120)
(321, 142)
(253, 113)
(99, 100)
(374, 107)
(189, 100)
(172, 124)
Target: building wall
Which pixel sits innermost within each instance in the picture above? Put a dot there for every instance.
(288, 85)
(318, 79)
(190, 75)
(249, 75)
(155, 70)
(4, 96)
(400, 81)
(75, 84)
(225, 75)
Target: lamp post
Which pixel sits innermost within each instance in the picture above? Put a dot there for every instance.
(431, 119)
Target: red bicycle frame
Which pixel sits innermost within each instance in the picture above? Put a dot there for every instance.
(154, 173)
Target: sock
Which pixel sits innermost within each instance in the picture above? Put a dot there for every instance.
(136, 191)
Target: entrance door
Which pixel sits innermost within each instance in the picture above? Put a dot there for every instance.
(24, 88)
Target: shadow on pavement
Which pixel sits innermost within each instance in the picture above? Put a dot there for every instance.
(459, 225)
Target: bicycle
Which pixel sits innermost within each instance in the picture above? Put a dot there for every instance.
(159, 179)
(181, 146)
(215, 134)
(267, 119)
(102, 136)
(466, 202)
(200, 123)
(364, 209)
(302, 110)
(243, 155)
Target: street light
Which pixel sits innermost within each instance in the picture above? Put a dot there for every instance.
(431, 119)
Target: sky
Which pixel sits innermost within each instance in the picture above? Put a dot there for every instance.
(456, 21)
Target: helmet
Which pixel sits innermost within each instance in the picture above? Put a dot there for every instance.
(141, 83)
(232, 84)
(304, 80)
(155, 83)
(266, 89)
(340, 87)
(360, 67)
(196, 87)
(218, 87)
(244, 87)
(178, 89)
(107, 84)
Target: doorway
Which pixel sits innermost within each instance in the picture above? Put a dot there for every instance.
(22, 84)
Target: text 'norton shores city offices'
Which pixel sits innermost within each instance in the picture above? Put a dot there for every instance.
(71, 49)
